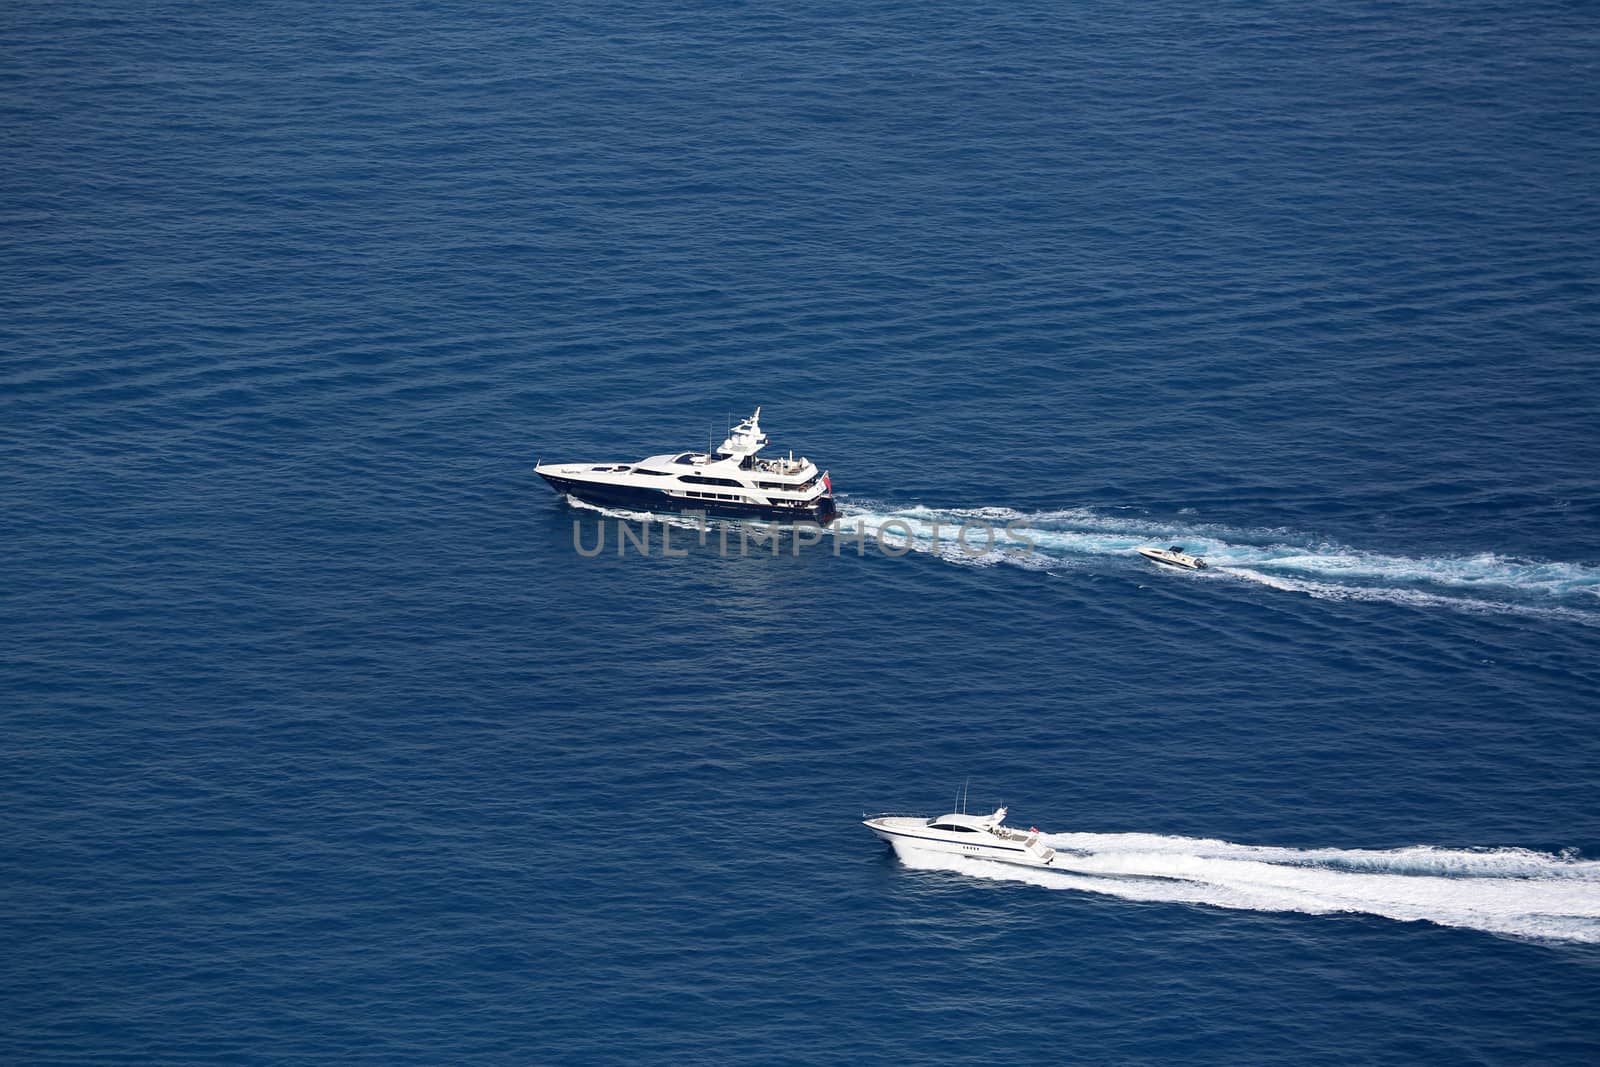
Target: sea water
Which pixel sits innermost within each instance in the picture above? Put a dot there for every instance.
(323, 743)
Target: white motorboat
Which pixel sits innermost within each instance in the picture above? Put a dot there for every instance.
(1173, 557)
(732, 482)
(976, 836)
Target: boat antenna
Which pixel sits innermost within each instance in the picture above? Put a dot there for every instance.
(965, 790)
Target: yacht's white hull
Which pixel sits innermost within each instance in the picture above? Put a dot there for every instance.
(649, 498)
(907, 835)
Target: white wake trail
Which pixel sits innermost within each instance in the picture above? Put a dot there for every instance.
(1279, 559)
(1057, 541)
(1515, 892)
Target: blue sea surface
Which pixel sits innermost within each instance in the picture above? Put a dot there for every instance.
(323, 743)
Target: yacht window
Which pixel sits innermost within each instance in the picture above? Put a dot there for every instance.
(700, 479)
(658, 474)
(952, 826)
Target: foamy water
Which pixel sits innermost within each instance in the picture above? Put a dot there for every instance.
(1509, 891)
(1273, 557)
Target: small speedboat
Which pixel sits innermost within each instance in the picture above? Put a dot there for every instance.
(1173, 557)
(976, 836)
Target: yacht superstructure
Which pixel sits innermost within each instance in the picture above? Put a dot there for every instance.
(731, 482)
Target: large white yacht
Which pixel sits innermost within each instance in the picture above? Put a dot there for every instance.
(732, 482)
(976, 836)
